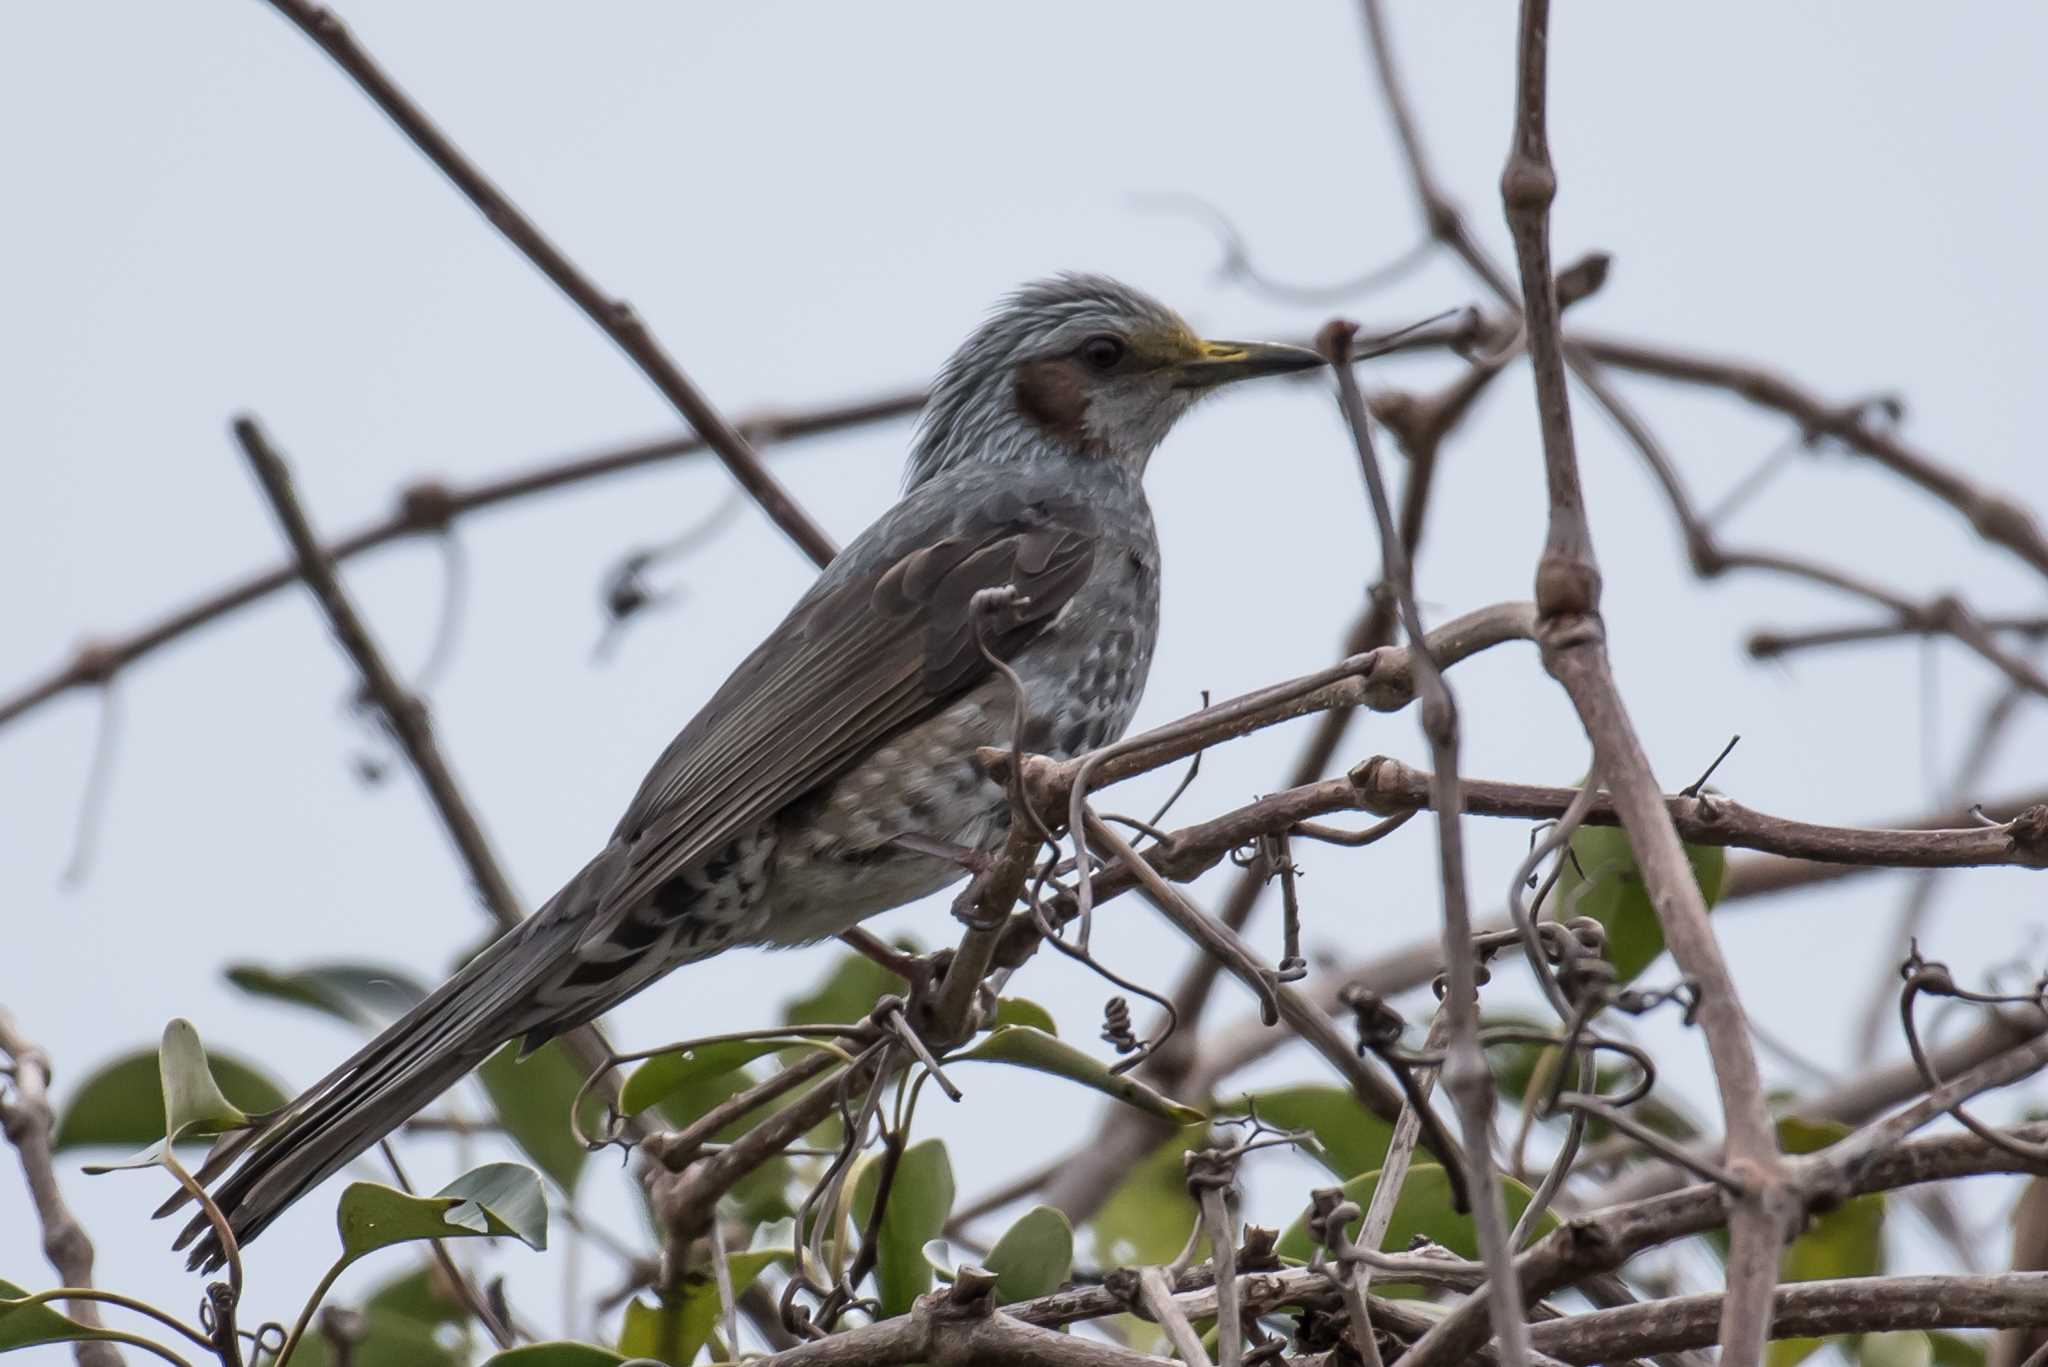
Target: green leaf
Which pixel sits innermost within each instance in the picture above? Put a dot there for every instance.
(495, 1199)
(938, 1254)
(1021, 1011)
(654, 1332)
(1353, 1139)
(1797, 1134)
(1026, 1047)
(1957, 1350)
(1147, 1217)
(1514, 1067)
(1847, 1241)
(656, 1079)
(1034, 1256)
(848, 992)
(560, 1354)
(920, 1199)
(420, 1295)
(193, 1101)
(389, 1340)
(1601, 880)
(1900, 1348)
(676, 1331)
(26, 1326)
(532, 1097)
(1423, 1209)
(762, 1194)
(361, 994)
(121, 1104)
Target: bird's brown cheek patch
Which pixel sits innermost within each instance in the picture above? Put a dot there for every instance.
(1053, 395)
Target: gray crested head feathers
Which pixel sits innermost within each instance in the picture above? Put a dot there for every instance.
(1077, 365)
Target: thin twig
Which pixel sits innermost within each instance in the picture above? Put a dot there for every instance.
(1464, 1073)
(403, 713)
(614, 316)
(1379, 1212)
(1373, 1091)
(1860, 1305)
(426, 506)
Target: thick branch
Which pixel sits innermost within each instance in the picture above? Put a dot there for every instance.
(27, 1121)
(958, 1327)
(1382, 680)
(1574, 651)
(1387, 786)
(1860, 1305)
(1601, 1242)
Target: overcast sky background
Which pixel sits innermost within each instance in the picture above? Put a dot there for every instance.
(809, 203)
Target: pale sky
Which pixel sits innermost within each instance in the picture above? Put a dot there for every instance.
(812, 203)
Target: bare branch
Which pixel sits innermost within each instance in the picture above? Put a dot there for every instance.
(614, 316)
(402, 712)
(1383, 680)
(1851, 1102)
(1464, 1073)
(1373, 1091)
(1775, 645)
(1998, 519)
(28, 1122)
(1388, 786)
(426, 507)
(1860, 1305)
(1571, 635)
(1601, 1242)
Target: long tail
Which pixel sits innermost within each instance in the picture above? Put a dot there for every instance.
(495, 997)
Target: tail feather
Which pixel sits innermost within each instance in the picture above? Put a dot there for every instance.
(495, 997)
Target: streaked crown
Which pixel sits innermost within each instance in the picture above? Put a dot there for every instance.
(1076, 367)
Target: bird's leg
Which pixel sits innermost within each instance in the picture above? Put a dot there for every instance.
(976, 862)
(968, 858)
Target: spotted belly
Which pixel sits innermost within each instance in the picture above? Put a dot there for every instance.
(836, 857)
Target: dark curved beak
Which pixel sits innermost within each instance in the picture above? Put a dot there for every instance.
(1224, 362)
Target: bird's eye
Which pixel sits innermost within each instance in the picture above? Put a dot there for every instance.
(1103, 352)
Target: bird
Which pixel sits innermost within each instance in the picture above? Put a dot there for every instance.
(828, 778)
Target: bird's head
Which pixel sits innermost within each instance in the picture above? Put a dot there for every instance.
(1083, 367)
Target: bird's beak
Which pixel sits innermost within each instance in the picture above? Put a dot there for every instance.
(1223, 362)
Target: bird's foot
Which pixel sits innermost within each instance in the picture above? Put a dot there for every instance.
(967, 908)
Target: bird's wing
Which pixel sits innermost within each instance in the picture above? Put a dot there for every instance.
(853, 664)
